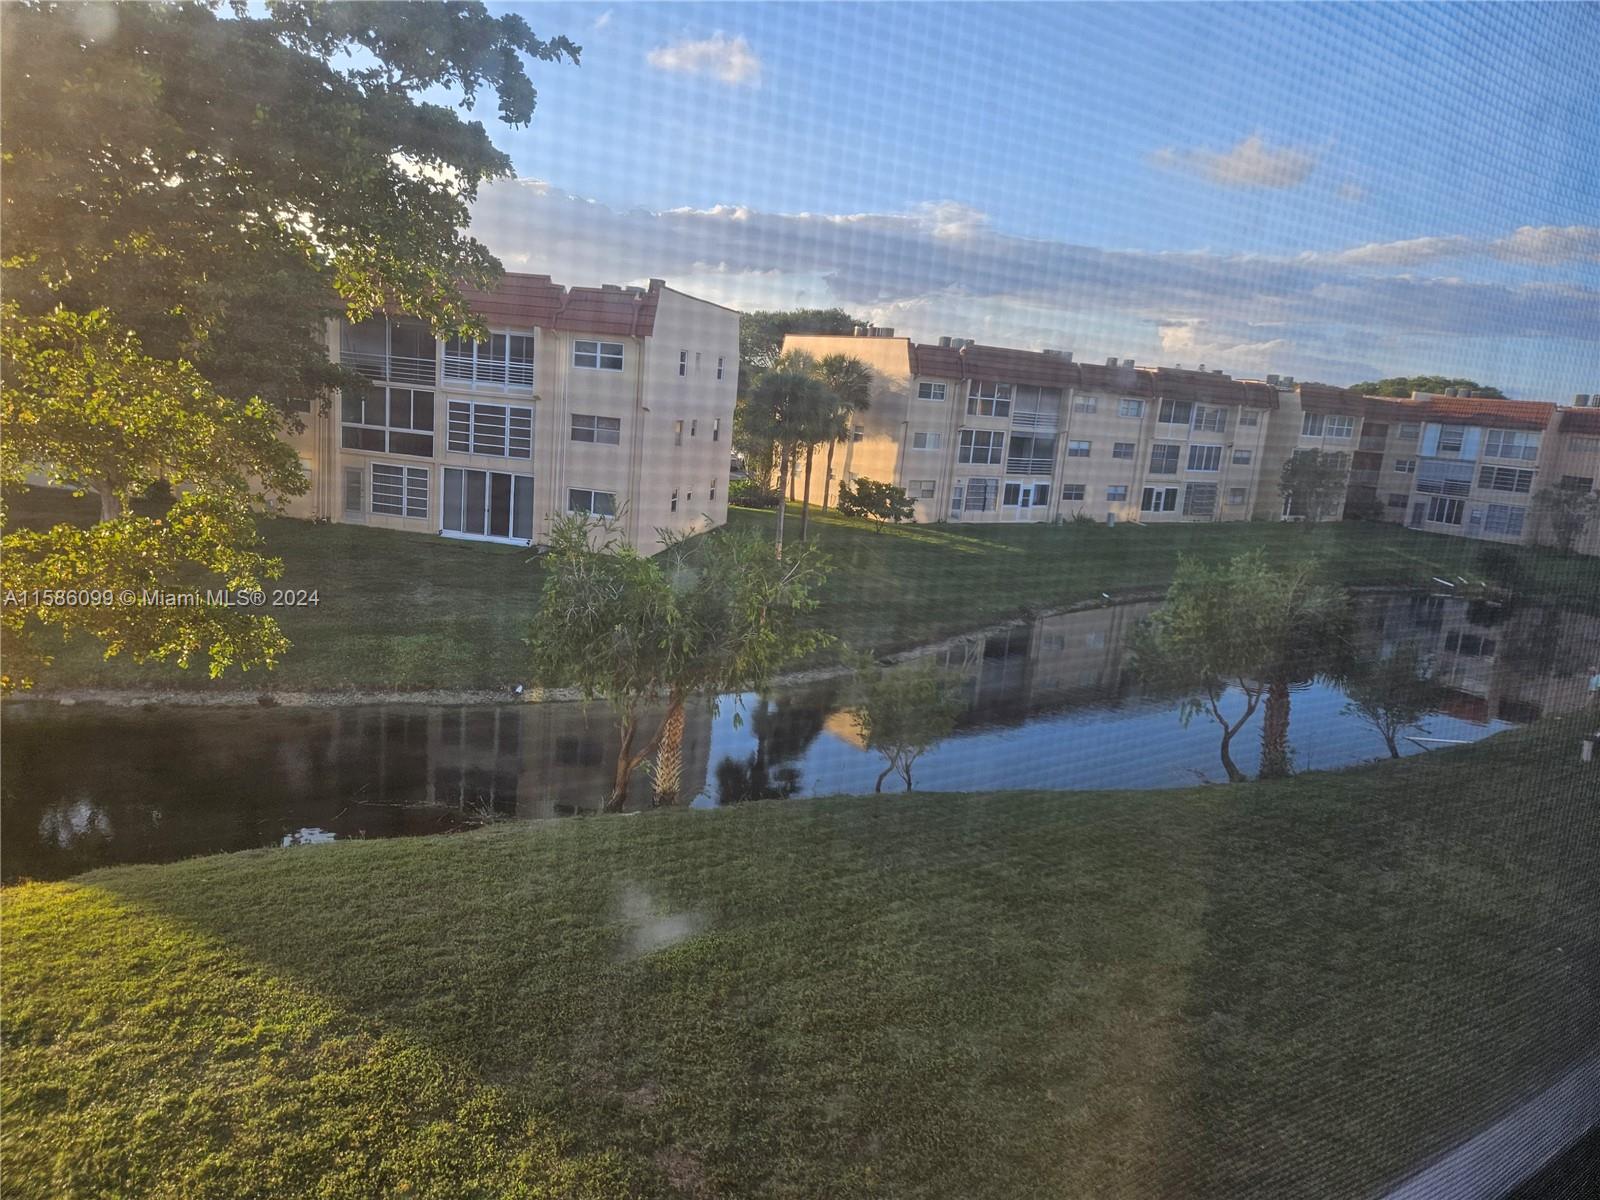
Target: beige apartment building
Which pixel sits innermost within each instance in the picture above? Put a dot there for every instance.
(608, 400)
(986, 434)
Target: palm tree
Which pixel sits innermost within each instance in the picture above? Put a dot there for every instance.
(784, 408)
(850, 381)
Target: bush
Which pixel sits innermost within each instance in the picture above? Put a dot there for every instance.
(750, 493)
(876, 502)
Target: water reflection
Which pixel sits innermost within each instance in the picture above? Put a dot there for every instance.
(1048, 704)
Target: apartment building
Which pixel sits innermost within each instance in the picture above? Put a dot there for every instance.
(985, 434)
(614, 401)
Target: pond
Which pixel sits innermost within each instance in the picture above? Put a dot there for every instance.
(1048, 704)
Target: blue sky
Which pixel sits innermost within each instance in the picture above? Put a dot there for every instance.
(1322, 190)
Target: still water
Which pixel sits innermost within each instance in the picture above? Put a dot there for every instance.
(1049, 704)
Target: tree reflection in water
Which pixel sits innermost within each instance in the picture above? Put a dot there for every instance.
(784, 729)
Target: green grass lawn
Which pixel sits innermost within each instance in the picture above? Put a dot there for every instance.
(413, 611)
(1300, 989)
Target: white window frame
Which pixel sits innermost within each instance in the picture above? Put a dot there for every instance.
(1158, 498)
(1130, 408)
(1210, 418)
(385, 396)
(921, 489)
(1079, 449)
(993, 450)
(599, 356)
(1517, 444)
(404, 490)
(1167, 451)
(1311, 424)
(1085, 404)
(1243, 458)
(1405, 466)
(683, 363)
(1204, 456)
(1340, 427)
(599, 436)
(930, 390)
(470, 428)
(988, 399)
(474, 364)
(719, 366)
(591, 493)
(1124, 450)
(930, 439)
(1067, 489)
(1249, 418)
(1112, 496)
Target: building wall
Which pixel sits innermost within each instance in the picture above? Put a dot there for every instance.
(647, 464)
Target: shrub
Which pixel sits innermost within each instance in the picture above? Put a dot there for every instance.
(876, 502)
(751, 493)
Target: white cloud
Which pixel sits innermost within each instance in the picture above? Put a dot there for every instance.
(602, 20)
(1250, 164)
(729, 59)
(941, 268)
(1538, 245)
(1352, 192)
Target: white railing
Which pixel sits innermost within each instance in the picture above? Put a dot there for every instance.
(395, 368)
(1018, 465)
(489, 371)
(1033, 420)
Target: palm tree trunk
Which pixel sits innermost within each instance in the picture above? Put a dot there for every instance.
(1275, 732)
(805, 496)
(827, 480)
(783, 499)
(669, 756)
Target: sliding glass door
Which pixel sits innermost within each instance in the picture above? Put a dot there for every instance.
(488, 504)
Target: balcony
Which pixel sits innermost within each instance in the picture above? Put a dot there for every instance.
(1374, 445)
(393, 368)
(1017, 464)
(1363, 478)
(512, 375)
(1033, 420)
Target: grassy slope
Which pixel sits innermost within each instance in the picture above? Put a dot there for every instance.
(402, 610)
(1278, 990)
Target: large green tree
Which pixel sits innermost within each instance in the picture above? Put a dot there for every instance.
(190, 193)
(850, 381)
(1404, 385)
(1562, 512)
(1312, 483)
(788, 408)
(1393, 694)
(721, 614)
(906, 711)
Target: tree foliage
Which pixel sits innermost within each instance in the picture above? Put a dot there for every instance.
(788, 408)
(761, 333)
(905, 711)
(1562, 513)
(721, 614)
(189, 197)
(1393, 695)
(1245, 626)
(1404, 385)
(880, 503)
(1312, 483)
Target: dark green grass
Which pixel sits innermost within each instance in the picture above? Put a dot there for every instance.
(412, 611)
(1300, 989)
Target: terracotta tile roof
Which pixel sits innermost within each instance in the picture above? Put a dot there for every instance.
(1207, 387)
(1321, 398)
(1580, 420)
(939, 361)
(524, 300)
(1035, 367)
(1469, 410)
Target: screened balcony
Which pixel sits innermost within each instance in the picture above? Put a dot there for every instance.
(1031, 456)
(505, 360)
(390, 350)
(1036, 408)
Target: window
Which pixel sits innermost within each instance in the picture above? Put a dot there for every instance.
(1122, 450)
(597, 356)
(1031, 455)
(1241, 458)
(930, 391)
(1408, 431)
(858, 433)
(716, 429)
(1175, 412)
(505, 431)
(1205, 458)
(1130, 408)
(1249, 418)
(1509, 443)
(1164, 458)
(1506, 479)
(1200, 500)
(677, 433)
(488, 504)
(924, 440)
(1442, 511)
(984, 446)
(1311, 425)
(1445, 478)
(1398, 499)
(920, 489)
(1077, 449)
(1072, 491)
(1341, 427)
(674, 507)
(1584, 445)
(1578, 483)
(683, 364)
(1158, 499)
(1210, 418)
(719, 366)
(1451, 439)
(606, 431)
(599, 504)
(713, 489)
(398, 350)
(1406, 466)
(400, 491)
(694, 426)
(982, 494)
(1084, 404)
(1506, 519)
(1117, 493)
(696, 371)
(1473, 645)
(387, 420)
(354, 492)
(1036, 407)
(1237, 496)
(989, 399)
(505, 360)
